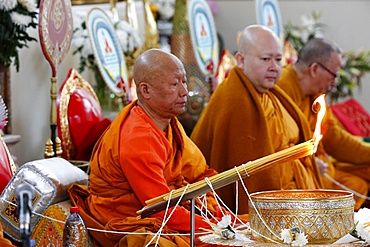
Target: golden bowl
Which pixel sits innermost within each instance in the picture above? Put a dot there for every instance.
(323, 215)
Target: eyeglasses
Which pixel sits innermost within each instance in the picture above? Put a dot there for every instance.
(327, 70)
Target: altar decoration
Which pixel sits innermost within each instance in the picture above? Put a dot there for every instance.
(80, 118)
(268, 14)
(323, 215)
(129, 41)
(55, 34)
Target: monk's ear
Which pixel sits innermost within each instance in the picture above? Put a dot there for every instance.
(313, 70)
(240, 60)
(144, 89)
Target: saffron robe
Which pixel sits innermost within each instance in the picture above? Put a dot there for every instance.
(233, 129)
(3, 241)
(336, 141)
(135, 161)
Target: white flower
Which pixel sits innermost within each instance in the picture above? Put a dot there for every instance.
(86, 50)
(128, 36)
(286, 236)
(79, 38)
(363, 215)
(29, 5)
(7, 5)
(294, 237)
(224, 228)
(225, 221)
(300, 240)
(19, 19)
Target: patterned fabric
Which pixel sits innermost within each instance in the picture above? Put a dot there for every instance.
(354, 118)
(49, 232)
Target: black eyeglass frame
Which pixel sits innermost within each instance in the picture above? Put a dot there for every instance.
(335, 75)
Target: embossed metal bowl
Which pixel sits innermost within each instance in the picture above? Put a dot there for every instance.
(323, 215)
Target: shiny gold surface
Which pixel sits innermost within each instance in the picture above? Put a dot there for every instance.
(324, 215)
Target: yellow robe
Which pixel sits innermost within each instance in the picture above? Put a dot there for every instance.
(233, 130)
(336, 141)
(3, 241)
(135, 161)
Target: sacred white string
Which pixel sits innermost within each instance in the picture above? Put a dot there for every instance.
(217, 198)
(345, 187)
(259, 215)
(165, 220)
(109, 231)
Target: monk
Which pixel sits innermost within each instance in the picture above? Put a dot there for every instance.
(248, 117)
(313, 74)
(3, 241)
(143, 154)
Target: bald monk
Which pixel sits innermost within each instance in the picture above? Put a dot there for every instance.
(3, 241)
(248, 117)
(143, 154)
(314, 74)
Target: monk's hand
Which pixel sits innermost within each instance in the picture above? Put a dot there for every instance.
(323, 166)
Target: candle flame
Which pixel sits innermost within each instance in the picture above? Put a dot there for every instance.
(319, 107)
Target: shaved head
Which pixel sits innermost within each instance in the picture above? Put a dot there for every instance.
(259, 56)
(160, 80)
(151, 64)
(253, 35)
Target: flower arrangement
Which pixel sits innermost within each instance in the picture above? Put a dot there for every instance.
(15, 17)
(294, 237)
(356, 63)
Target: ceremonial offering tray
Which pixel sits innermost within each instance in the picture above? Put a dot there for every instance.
(323, 215)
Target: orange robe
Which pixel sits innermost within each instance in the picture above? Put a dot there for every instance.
(3, 241)
(336, 141)
(135, 161)
(234, 129)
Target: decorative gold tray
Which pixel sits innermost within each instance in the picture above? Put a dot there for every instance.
(323, 215)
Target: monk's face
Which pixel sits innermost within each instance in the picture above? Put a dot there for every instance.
(168, 94)
(262, 63)
(325, 75)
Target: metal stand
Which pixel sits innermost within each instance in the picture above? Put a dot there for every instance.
(192, 222)
(26, 241)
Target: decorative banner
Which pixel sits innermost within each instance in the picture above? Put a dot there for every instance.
(55, 30)
(268, 14)
(203, 36)
(107, 51)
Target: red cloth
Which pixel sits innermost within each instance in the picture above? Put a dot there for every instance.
(354, 118)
